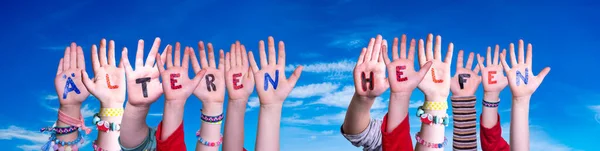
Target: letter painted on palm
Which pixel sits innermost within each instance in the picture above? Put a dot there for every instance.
(462, 79)
(210, 82)
(173, 80)
(269, 79)
(399, 73)
(108, 83)
(491, 77)
(365, 80)
(69, 86)
(236, 81)
(433, 77)
(144, 82)
(521, 77)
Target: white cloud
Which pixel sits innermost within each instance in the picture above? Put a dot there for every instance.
(35, 139)
(51, 97)
(538, 139)
(357, 37)
(595, 108)
(328, 119)
(155, 114)
(415, 104)
(325, 67)
(319, 139)
(342, 99)
(292, 103)
(316, 89)
(253, 102)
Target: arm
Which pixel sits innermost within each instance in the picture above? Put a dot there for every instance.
(211, 91)
(435, 86)
(463, 87)
(240, 84)
(522, 86)
(271, 93)
(108, 87)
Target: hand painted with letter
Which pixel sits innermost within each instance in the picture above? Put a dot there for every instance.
(177, 85)
(238, 75)
(521, 80)
(109, 80)
(68, 82)
(212, 85)
(143, 84)
(436, 84)
(369, 72)
(465, 81)
(492, 74)
(401, 70)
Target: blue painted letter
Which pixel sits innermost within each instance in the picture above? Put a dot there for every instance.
(70, 86)
(268, 80)
(521, 77)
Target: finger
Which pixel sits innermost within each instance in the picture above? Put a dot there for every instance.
(233, 53)
(429, 47)
(424, 69)
(295, 76)
(252, 62)
(185, 63)
(489, 56)
(411, 50)
(403, 47)
(543, 74)
(177, 58)
(153, 52)
(504, 64)
(470, 61)
(422, 58)
(459, 60)
(238, 54)
(377, 48)
(221, 59)
(281, 60)
(198, 77)
(95, 61)
(159, 61)
(73, 53)
(121, 66)
(125, 61)
(496, 55)
(227, 61)
(163, 56)
(139, 55)
(438, 48)
(380, 58)
(476, 70)
(80, 58)
(102, 58)
(521, 52)
(244, 56)
(369, 52)
(111, 53)
(194, 59)
(271, 44)
(529, 60)
(513, 59)
(67, 59)
(362, 56)
(60, 67)
(449, 53)
(169, 56)
(202, 52)
(250, 76)
(211, 56)
(395, 49)
(262, 54)
(89, 84)
(480, 61)
(386, 57)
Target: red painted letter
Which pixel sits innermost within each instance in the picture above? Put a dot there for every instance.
(366, 80)
(400, 73)
(236, 80)
(433, 77)
(108, 83)
(173, 81)
(491, 77)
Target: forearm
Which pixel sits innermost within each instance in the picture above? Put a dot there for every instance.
(358, 115)
(397, 110)
(432, 133)
(519, 125)
(269, 119)
(172, 118)
(490, 114)
(109, 140)
(210, 132)
(134, 129)
(464, 123)
(233, 138)
(72, 111)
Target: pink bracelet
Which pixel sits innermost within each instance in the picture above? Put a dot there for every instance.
(73, 121)
(429, 144)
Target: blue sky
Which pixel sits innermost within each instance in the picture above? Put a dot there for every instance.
(326, 37)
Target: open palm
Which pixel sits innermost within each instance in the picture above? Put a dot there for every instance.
(521, 80)
(143, 84)
(177, 85)
(492, 74)
(212, 85)
(436, 82)
(68, 82)
(109, 80)
(238, 75)
(369, 72)
(465, 80)
(401, 70)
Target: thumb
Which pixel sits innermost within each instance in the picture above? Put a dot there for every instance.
(295, 76)
(250, 76)
(89, 84)
(543, 74)
(424, 69)
(198, 77)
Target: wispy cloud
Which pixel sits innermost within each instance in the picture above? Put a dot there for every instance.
(539, 139)
(51, 97)
(253, 102)
(357, 37)
(327, 119)
(316, 89)
(415, 104)
(325, 67)
(596, 108)
(35, 139)
(292, 103)
(343, 97)
(54, 48)
(155, 114)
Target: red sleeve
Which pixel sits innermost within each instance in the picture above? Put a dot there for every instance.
(399, 139)
(491, 138)
(172, 143)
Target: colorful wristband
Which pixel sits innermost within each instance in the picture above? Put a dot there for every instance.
(212, 119)
(429, 144)
(490, 104)
(56, 144)
(105, 126)
(60, 130)
(441, 105)
(73, 121)
(432, 119)
(109, 112)
(207, 143)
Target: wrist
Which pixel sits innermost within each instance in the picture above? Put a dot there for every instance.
(111, 103)
(491, 96)
(212, 108)
(73, 110)
(271, 106)
(436, 98)
(174, 104)
(521, 101)
(364, 98)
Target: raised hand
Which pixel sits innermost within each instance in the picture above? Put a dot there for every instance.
(465, 81)
(68, 82)
(369, 72)
(143, 83)
(492, 74)
(271, 83)
(521, 80)
(401, 70)
(212, 85)
(436, 83)
(177, 85)
(109, 80)
(238, 75)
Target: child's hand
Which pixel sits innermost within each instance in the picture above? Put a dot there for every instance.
(369, 72)
(109, 80)
(177, 85)
(238, 75)
(436, 84)
(492, 74)
(465, 81)
(212, 86)
(68, 82)
(521, 80)
(143, 84)
(401, 70)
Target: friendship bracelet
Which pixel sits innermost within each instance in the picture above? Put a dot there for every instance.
(441, 105)
(212, 119)
(429, 144)
(490, 104)
(60, 130)
(109, 112)
(207, 143)
(57, 144)
(73, 122)
(105, 126)
(432, 119)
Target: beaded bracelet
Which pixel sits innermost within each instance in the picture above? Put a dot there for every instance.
(432, 119)
(109, 112)
(105, 126)
(57, 144)
(207, 143)
(430, 144)
(60, 130)
(212, 119)
(490, 104)
(439, 105)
